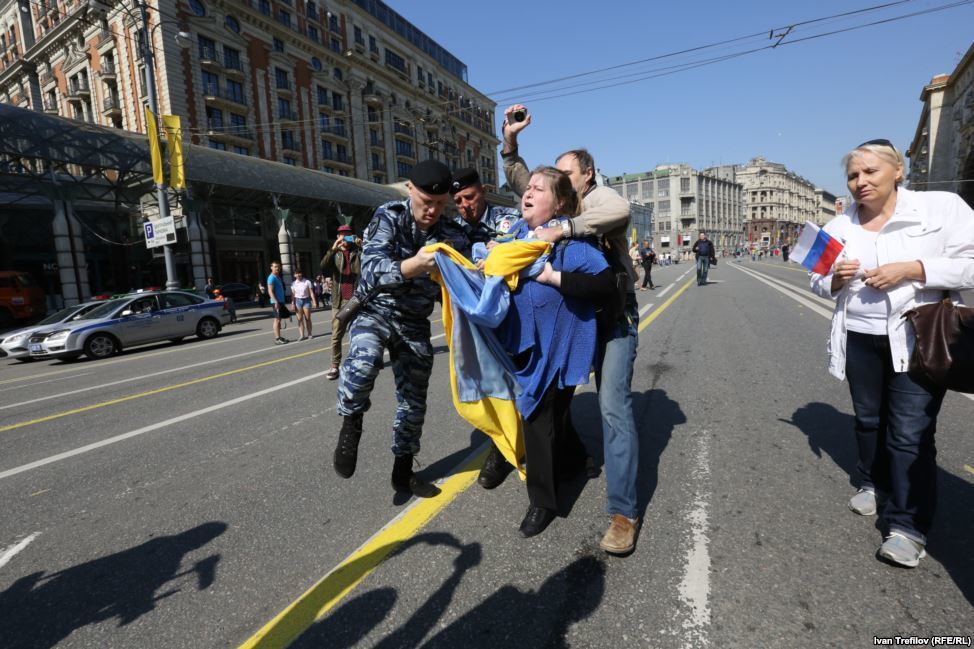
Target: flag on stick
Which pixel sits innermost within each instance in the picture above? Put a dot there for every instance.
(815, 249)
(155, 151)
(174, 137)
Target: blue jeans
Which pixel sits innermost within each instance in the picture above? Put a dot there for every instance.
(703, 267)
(613, 378)
(896, 419)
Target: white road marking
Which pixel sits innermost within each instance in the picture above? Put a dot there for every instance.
(646, 308)
(789, 291)
(58, 395)
(162, 424)
(30, 385)
(9, 553)
(695, 585)
(673, 283)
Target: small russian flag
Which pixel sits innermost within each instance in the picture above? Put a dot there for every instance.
(815, 249)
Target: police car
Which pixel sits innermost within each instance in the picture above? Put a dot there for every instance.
(135, 319)
(14, 343)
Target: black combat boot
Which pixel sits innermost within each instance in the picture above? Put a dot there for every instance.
(495, 469)
(346, 452)
(403, 479)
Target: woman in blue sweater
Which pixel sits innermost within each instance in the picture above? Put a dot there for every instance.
(550, 331)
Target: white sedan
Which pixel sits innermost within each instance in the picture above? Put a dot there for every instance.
(132, 320)
(14, 343)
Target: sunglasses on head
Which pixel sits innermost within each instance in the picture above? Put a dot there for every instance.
(879, 142)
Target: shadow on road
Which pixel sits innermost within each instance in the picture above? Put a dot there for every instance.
(950, 538)
(509, 617)
(39, 610)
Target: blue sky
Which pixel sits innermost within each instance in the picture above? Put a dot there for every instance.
(803, 105)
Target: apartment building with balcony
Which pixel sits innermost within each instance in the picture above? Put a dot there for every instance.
(349, 87)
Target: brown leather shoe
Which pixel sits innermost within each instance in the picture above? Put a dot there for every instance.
(620, 538)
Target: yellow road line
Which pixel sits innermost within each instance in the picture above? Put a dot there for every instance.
(328, 592)
(655, 314)
(167, 388)
(318, 600)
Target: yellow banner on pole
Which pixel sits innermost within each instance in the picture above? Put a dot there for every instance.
(174, 137)
(155, 151)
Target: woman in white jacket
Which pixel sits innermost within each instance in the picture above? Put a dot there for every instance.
(902, 249)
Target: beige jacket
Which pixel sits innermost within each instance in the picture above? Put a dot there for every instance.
(604, 212)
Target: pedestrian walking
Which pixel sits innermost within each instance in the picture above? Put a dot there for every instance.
(704, 250)
(343, 262)
(902, 249)
(261, 294)
(647, 257)
(209, 288)
(636, 259)
(231, 307)
(605, 215)
(397, 296)
(275, 290)
(304, 298)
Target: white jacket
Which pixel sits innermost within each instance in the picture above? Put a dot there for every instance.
(936, 228)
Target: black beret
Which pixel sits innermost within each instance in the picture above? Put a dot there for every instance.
(464, 178)
(431, 176)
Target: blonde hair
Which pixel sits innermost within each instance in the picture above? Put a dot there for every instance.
(561, 186)
(884, 151)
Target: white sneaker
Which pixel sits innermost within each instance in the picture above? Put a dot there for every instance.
(901, 550)
(864, 502)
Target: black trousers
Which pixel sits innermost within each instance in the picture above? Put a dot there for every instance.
(552, 447)
(648, 276)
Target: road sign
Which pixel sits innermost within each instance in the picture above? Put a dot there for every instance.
(159, 232)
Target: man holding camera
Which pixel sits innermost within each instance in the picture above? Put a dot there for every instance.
(482, 222)
(605, 214)
(343, 262)
(396, 296)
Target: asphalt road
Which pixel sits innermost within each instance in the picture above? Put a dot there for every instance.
(183, 496)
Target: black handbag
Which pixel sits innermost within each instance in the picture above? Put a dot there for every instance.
(943, 356)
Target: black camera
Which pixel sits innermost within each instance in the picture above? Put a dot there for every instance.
(519, 115)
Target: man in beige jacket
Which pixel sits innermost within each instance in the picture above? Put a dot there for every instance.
(605, 214)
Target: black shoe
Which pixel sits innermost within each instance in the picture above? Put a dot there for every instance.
(346, 452)
(495, 470)
(535, 521)
(403, 479)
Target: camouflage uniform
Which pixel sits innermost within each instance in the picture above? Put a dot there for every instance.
(496, 221)
(397, 319)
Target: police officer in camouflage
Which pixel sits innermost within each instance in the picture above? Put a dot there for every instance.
(481, 221)
(397, 295)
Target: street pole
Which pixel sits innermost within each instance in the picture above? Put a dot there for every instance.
(150, 80)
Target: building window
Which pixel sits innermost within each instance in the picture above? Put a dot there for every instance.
(326, 151)
(231, 58)
(324, 123)
(287, 140)
(429, 80)
(374, 138)
(336, 45)
(238, 122)
(284, 108)
(211, 83)
(207, 48)
(290, 161)
(342, 152)
(284, 18)
(219, 146)
(322, 96)
(684, 185)
(316, 63)
(358, 36)
(420, 76)
(232, 24)
(264, 6)
(311, 10)
(404, 169)
(313, 33)
(235, 91)
(337, 101)
(242, 150)
(373, 46)
(333, 23)
(281, 79)
(197, 7)
(395, 61)
(278, 45)
(404, 148)
(214, 118)
(340, 127)
(337, 73)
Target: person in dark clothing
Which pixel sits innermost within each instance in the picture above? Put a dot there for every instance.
(706, 254)
(343, 262)
(648, 256)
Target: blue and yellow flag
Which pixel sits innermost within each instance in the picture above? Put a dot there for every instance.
(482, 377)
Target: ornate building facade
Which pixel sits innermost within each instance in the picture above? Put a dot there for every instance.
(348, 87)
(942, 151)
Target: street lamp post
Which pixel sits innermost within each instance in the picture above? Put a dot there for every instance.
(150, 80)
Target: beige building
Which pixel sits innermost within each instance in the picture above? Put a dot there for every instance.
(942, 151)
(773, 192)
(348, 87)
(827, 205)
(684, 201)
